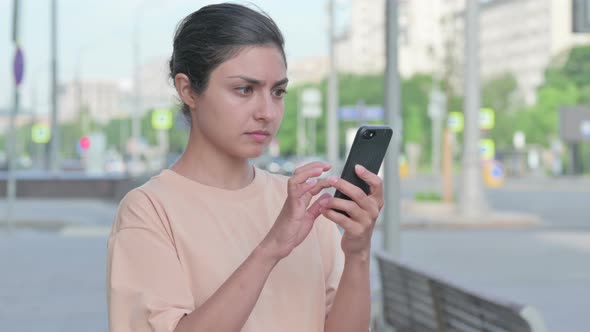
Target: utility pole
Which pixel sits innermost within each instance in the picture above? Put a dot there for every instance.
(472, 201)
(54, 143)
(18, 68)
(137, 110)
(332, 132)
(391, 211)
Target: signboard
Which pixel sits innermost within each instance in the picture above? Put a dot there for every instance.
(19, 66)
(487, 149)
(585, 129)
(456, 122)
(486, 118)
(574, 124)
(162, 119)
(519, 140)
(581, 16)
(311, 103)
(493, 174)
(41, 133)
(361, 113)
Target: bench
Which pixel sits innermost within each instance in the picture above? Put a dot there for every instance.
(414, 301)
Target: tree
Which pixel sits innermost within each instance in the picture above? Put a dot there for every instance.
(499, 93)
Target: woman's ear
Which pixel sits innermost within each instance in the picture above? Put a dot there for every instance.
(185, 90)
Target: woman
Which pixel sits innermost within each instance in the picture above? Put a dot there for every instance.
(214, 244)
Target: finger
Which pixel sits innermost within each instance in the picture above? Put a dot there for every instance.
(303, 175)
(343, 221)
(355, 193)
(351, 208)
(319, 186)
(314, 210)
(312, 165)
(374, 182)
(297, 185)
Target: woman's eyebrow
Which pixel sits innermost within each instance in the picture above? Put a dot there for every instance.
(259, 82)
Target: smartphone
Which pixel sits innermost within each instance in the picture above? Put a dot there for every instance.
(368, 149)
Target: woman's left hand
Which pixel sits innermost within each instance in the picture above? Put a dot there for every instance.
(362, 211)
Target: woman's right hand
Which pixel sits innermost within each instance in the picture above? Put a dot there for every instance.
(296, 220)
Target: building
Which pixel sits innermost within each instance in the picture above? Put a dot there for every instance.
(310, 69)
(421, 40)
(522, 36)
(107, 100)
(102, 99)
(156, 87)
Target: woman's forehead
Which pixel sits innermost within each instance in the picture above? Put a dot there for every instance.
(257, 62)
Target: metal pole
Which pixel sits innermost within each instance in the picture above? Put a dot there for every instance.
(12, 156)
(11, 141)
(311, 129)
(332, 125)
(54, 144)
(436, 111)
(472, 202)
(300, 126)
(391, 211)
(136, 118)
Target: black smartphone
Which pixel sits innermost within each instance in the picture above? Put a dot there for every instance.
(368, 149)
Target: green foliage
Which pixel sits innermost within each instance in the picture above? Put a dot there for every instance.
(428, 196)
(577, 67)
(565, 84)
(363, 89)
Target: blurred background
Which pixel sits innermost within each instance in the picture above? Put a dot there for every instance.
(87, 112)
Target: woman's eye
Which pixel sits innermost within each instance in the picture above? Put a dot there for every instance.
(279, 92)
(244, 90)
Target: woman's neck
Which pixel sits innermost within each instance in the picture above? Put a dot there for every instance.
(204, 163)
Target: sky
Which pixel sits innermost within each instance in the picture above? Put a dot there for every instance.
(96, 37)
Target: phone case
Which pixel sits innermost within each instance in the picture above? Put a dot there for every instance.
(368, 152)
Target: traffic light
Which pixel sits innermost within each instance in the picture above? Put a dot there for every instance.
(85, 143)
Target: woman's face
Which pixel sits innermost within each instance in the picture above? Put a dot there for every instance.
(241, 109)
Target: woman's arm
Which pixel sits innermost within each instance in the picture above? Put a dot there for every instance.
(230, 306)
(351, 310)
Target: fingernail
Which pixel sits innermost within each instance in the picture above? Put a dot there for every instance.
(332, 179)
(312, 182)
(323, 202)
(360, 169)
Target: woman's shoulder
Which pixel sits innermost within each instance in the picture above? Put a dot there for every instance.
(139, 207)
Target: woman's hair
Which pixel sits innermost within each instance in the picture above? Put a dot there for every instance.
(214, 34)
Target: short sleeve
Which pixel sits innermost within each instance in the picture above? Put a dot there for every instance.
(332, 257)
(147, 289)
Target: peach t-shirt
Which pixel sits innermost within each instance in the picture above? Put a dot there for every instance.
(175, 241)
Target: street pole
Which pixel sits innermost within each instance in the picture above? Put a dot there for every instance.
(391, 211)
(11, 142)
(301, 141)
(332, 132)
(136, 118)
(436, 112)
(54, 143)
(472, 202)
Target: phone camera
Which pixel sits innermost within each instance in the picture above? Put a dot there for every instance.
(369, 134)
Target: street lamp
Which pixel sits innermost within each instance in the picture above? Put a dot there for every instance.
(137, 111)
